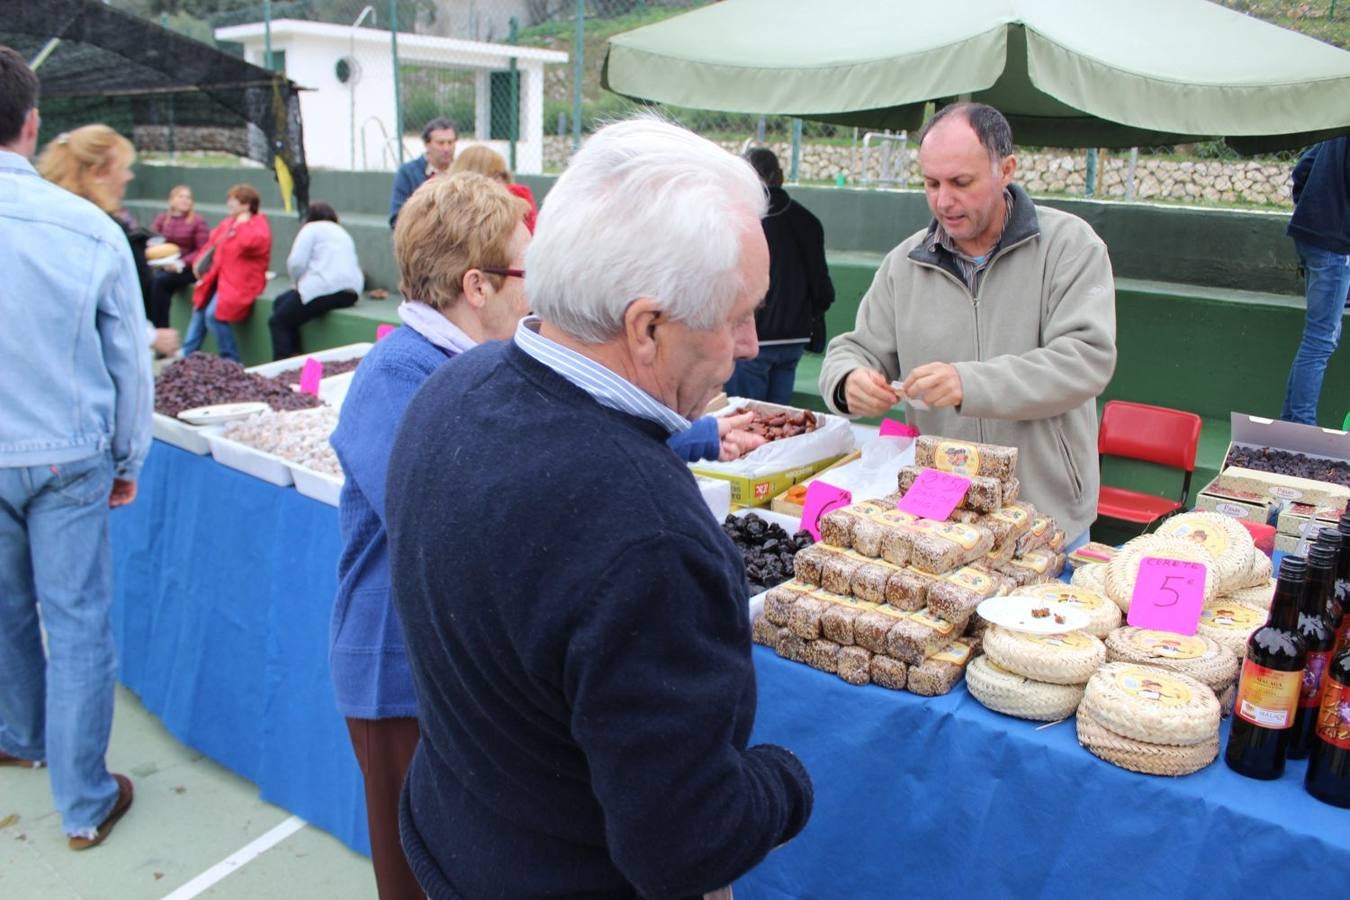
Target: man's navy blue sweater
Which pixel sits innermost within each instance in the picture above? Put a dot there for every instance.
(1322, 196)
(580, 643)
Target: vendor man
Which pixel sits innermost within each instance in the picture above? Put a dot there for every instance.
(999, 317)
(439, 137)
(576, 622)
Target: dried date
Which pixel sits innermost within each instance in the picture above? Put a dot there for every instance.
(1283, 462)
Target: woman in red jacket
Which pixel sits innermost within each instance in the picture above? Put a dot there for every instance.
(231, 272)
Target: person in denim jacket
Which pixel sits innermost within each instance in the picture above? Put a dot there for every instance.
(74, 432)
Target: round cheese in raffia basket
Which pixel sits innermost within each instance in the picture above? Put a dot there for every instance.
(1258, 597)
(1103, 615)
(1123, 570)
(1223, 538)
(1016, 695)
(1055, 658)
(1259, 572)
(1202, 658)
(1230, 624)
(1152, 704)
(1140, 756)
(1091, 577)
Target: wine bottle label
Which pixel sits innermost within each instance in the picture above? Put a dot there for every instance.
(1267, 697)
(1333, 718)
(1313, 674)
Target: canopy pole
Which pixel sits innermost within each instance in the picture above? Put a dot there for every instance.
(267, 35)
(45, 52)
(514, 38)
(1090, 181)
(578, 69)
(796, 150)
(398, 92)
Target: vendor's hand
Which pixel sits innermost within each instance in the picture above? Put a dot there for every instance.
(735, 440)
(938, 384)
(123, 492)
(868, 393)
(167, 341)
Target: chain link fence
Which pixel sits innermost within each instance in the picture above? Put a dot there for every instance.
(492, 108)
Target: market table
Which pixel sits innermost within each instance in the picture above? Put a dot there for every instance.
(221, 615)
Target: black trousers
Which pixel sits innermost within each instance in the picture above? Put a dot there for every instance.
(289, 312)
(163, 285)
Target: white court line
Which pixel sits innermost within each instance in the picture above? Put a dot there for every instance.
(237, 860)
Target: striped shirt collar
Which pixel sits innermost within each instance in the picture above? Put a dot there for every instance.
(602, 384)
(970, 266)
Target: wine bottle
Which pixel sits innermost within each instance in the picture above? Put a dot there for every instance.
(1319, 637)
(1328, 777)
(1343, 584)
(1268, 689)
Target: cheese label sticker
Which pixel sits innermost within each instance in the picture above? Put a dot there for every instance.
(1167, 645)
(933, 621)
(955, 652)
(1037, 561)
(1212, 538)
(1267, 697)
(1333, 717)
(967, 536)
(1232, 616)
(893, 517)
(1072, 640)
(1040, 525)
(973, 579)
(957, 458)
(1153, 686)
(1065, 593)
(1014, 514)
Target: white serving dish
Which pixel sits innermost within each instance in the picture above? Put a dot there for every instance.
(191, 438)
(220, 413)
(346, 351)
(1014, 613)
(317, 485)
(790, 524)
(251, 461)
(717, 494)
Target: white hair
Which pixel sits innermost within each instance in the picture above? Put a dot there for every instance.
(645, 209)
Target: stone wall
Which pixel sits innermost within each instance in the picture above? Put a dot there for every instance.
(1155, 178)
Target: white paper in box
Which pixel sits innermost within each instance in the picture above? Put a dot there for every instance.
(834, 437)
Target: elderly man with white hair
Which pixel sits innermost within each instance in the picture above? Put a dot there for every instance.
(576, 622)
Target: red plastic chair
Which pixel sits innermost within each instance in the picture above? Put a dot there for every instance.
(1155, 434)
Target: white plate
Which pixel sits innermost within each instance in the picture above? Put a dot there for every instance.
(1014, 612)
(221, 412)
(166, 261)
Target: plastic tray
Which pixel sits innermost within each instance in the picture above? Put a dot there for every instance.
(241, 457)
(317, 485)
(192, 438)
(347, 351)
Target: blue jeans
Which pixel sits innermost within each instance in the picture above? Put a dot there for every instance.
(205, 318)
(1328, 287)
(768, 376)
(55, 558)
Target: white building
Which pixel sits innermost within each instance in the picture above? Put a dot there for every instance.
(352, 125)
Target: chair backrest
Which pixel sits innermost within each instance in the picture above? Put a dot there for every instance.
(1156, 434)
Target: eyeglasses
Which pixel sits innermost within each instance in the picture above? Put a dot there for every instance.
(505, 273)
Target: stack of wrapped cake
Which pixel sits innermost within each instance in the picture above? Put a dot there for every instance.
(886, 596)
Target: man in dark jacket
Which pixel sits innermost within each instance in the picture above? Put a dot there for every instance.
(1320, 228)
(439, 136)
(800, 291)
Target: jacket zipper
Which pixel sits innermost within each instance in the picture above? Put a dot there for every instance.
(975, 305)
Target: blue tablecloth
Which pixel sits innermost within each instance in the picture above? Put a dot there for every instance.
(224, 592)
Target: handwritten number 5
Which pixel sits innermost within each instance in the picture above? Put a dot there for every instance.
(1176, 597)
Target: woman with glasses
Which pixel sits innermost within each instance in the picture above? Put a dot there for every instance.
(460, 242)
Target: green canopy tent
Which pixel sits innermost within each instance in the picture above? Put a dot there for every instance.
(1067, 73)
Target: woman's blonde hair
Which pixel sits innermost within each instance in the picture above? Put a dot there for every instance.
(448, 226)
(77, 160)
(192, 205)
(484, 161)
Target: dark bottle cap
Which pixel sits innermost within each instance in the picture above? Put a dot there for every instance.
(1320, 556)
(1332, 537)
(1295, 567)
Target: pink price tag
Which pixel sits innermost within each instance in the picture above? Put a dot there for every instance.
(892, 428)
(383, 330)
(934, 494)
(310, 375)
(1168, 595)
(820, 499)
